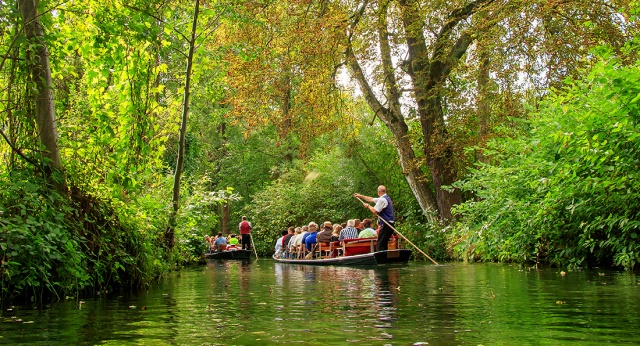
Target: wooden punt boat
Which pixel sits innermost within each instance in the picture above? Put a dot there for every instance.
(229, 255)
(367, 259)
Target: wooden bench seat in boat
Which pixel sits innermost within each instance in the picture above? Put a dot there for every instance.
(329, 249)
(357, 246)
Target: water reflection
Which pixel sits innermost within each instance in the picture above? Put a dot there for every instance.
(265, 303)
(388, 285)
(359, 301)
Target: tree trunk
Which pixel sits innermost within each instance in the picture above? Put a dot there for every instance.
(439, 153)
(224, 218)
(175, 201)
(399, 130)
(428, 71)
(484, 110)
(44, 106)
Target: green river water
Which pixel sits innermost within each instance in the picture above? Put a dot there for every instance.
(266, 303)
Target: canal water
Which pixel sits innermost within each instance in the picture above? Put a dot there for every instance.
(266, 303)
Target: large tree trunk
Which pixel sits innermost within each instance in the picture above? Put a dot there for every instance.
(175, 201)
(44, 106)
(428, 70)
(395, 122)
(439, 153)
(399, 129)
(392, 117)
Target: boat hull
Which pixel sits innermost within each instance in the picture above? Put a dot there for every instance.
(369, 259)
(230, 255)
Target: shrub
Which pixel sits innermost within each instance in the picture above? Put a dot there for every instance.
(565, 192)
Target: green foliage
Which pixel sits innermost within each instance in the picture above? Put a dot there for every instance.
(53, 245)
(199, 217)
(37, 250)
(429, 237)
(321, 189)
(299, 197)
(566, 191)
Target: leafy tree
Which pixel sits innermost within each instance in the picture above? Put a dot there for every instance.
(413, 60)
(564, 192)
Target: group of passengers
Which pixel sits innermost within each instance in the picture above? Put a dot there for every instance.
(297, 241)
(221, 243)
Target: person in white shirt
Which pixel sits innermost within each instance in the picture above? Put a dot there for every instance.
(278, 247)
(383, 208)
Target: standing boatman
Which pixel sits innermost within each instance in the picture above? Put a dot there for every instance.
(384, 209)
(245, 232)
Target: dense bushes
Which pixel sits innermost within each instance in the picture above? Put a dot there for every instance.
(565, 192)
(68, 246)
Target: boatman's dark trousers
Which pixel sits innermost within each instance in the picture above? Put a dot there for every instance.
(383, 237)
(246, 241)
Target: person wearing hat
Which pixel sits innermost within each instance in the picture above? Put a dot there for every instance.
(325, 235)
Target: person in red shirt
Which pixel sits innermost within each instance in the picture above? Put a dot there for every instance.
(245, 232)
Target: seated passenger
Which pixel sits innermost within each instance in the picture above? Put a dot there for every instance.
(309, 227)
(367, 232)
(358, 225)
(297, 242)
(335, 235)
(350, 232)
(233, 243)
(220, 243)
(292, 241)
(208, 240)
(285, 242)
(278, 247)
(325, 235)
(310, 237)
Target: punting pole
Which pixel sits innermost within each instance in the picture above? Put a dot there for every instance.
(403, 237)
(253, 246)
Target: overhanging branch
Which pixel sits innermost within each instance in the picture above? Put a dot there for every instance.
(17, 151)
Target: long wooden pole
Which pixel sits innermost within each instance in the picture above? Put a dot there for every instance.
(253, 246)
(405, 238)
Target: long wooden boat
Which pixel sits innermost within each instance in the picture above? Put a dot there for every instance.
(373, 258)
(229, 255)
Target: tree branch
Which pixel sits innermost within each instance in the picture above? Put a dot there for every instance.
(369, 95)
(18, 151)
(457, 51)
(215, 21)
(441, 64)
(389, 83)
(356, 19)
(135, 8)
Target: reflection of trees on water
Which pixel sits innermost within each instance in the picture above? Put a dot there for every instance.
(357, 301)
(387, 283)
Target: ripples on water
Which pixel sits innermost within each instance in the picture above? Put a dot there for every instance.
(263, 303)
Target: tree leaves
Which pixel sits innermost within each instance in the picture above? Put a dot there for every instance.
(586, 211)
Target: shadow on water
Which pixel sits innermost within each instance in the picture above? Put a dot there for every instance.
(264, 303)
